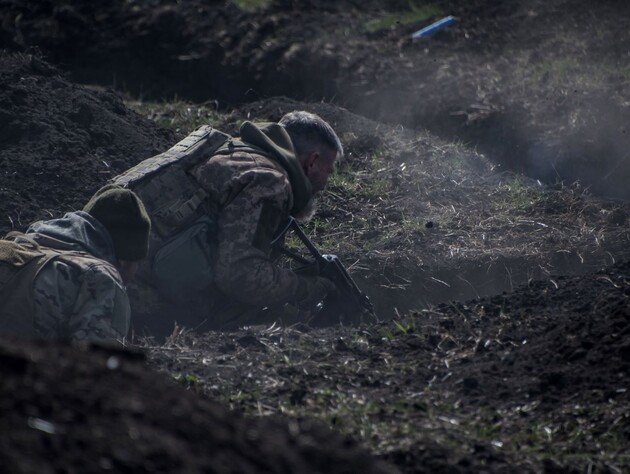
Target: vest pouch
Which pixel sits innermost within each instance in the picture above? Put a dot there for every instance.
(172, 199)
(182, 267)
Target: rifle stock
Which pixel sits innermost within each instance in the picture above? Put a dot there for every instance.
(350, 302)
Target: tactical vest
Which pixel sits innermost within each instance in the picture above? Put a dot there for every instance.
(20, 263)
(172, 197)
(182, 219)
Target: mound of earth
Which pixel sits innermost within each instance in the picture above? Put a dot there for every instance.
(532, 381)
(90, 409)
(541, 86)
(59, 142)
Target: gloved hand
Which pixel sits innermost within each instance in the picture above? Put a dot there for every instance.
(315, 289)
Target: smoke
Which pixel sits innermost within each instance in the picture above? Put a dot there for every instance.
(585, 141)
(577, 136)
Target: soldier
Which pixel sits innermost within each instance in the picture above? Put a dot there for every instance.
(64, 278)
(244, 193)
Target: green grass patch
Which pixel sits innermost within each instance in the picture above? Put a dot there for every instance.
(559, 69)
(416, 13)
(251, 5)
(572, 72)
(190, 381)
(516, 195)
(344, 178)
(177, 115)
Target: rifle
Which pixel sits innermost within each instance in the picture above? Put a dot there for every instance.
(351, 304)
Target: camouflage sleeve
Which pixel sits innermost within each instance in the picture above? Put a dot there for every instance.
(246, 226)
(77, 303)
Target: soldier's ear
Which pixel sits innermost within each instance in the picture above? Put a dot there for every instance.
(310, 161)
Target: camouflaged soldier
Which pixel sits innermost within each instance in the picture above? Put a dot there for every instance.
(239, 198)
(64, 278)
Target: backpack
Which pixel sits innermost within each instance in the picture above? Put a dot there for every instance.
(20, 263)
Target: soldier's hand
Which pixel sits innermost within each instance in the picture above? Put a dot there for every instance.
(329, 286)
(315, 290)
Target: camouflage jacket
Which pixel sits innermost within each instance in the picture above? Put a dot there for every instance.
(249, 186)
(253, 195)
(78, 295)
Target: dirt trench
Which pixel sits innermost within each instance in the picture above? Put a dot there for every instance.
(533, 380)
(539, 87)
(400, 290)
(61, 142)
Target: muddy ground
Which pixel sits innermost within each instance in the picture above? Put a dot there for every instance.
(501, 285)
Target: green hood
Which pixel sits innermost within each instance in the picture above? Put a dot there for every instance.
(274, 139)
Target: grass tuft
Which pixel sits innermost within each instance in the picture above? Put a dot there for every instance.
(180, 116)
(251, 5)
(415, 13)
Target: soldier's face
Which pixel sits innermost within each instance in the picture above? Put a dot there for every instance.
(319, 166)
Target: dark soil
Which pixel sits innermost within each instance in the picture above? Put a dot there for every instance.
(533, 377)
(90, 409)
(60, 142)
(540, 86)
(530, 381)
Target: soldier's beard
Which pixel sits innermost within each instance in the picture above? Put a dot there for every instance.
(307, 213)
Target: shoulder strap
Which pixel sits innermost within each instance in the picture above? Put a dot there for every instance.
(18, 254)
(234, 145)
(45, 245)
(25, 239)
(15, 257)
(200, 144)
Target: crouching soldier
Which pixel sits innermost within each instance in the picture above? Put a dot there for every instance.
(217, 203)
(64, 278)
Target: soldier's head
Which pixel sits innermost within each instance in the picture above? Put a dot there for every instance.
(316, 145)
(123, 215)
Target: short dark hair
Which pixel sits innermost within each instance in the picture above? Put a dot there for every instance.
(309, 131)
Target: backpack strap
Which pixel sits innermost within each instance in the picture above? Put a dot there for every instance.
(234, 145)
(24, 240)
(200, 144)
(15, 256)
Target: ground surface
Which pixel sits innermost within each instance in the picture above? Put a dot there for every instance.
(534, 381)
(96, 410)
(455, 378)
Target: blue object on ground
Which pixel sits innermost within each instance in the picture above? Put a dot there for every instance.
(433, 27)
